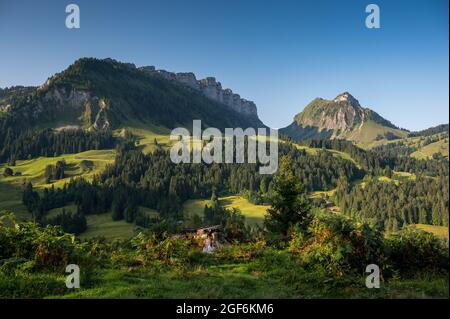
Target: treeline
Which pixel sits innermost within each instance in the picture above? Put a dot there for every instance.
(391, 206)
(402, 148)
(154, 181)
(430, 131)
(30, 144)
(70, 222)
(375, 163)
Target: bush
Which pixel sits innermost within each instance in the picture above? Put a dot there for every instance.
(241, 252)
(339, 244)
(8, 172)
(412, 250)
(235, 228)
(49, 248)
(173, 250)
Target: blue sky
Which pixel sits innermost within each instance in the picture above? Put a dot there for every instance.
(280, 54)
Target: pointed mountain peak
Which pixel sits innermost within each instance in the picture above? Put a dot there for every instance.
(347, 97)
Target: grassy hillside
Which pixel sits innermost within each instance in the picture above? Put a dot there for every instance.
(422, 147)
(254, 214)
(68, 208)
(193, 207)
(367, 133)
(102, 225)
(439, 231)
(147, 134)
(427, 151)
(11, 200)
(33, 170)
(397, 178)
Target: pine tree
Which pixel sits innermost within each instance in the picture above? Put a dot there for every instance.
(289, 203)
(423, 216)
(436, 220)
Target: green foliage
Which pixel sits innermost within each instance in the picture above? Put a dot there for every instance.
(339, 244)
(8, 172)
(55, 172)
(33, 258)
(70, 222)
(27, 144)
(235, 228)
(424, 200)
(241, 252)
(412, 251)
(49, 248)
(289, 204)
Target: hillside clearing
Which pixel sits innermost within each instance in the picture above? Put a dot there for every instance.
(102, 225)
(254, 214)
(33, 170)
(439, 231)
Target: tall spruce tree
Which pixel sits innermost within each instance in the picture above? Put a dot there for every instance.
(290, 206)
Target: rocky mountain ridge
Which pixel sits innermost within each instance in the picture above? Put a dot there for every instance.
(209, 87)
(342, 117)
(105, 93)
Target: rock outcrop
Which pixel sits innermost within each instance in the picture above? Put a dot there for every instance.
(209, 87)
(342, 118)
(92, 109)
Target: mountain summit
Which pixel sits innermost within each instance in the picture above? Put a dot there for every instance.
(343, 118)
(99, 94)
(347, 97)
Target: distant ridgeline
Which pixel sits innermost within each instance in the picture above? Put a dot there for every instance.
(99, 94)
(105, 94)
(431, 131)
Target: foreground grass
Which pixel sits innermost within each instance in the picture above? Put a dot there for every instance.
(276, 275)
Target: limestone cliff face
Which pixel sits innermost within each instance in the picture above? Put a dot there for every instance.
(210, 88)
(61, 102)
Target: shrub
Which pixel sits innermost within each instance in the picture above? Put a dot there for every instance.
(49, 248)
(412, 250)
(171, 250)
(235, 228)
(241, 252)
(8, 172)
(339, 244)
